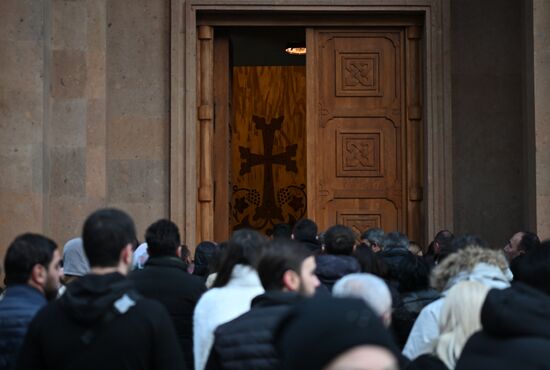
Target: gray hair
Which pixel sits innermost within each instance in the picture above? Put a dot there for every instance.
(368, 287)
(395, 240)
(374, 235)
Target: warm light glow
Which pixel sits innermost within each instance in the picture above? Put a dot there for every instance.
(296, 50)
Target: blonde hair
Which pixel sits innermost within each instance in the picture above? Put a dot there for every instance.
(460, 318)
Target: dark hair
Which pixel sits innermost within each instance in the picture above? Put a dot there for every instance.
(529, 241)
(533, 268)
(283, 231)
(278, 257)
(369, 261)
(215, 262)
(413, 273)
(204, 253)
(305, 230)
(339, 239)
(244, 248)
(458, 243)
(444, 238)
(163, 238)
(24, 253)
(105, 234)
(395, 240)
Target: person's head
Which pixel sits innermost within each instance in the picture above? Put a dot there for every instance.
(472, 263)
(163, 239)
(521, 243)
(204, 255)
(75, 263)
(339, 239)
(281, 231)
(371, 289)
(34, 259)
(415, 248)
(447, 248)
(334, 333)
(413, 274)
(373, 237)
(305, 230)
(460, 318)
(288, 266)
(533, 268)
(108, 236)
(369, 260)
(442, 240)
(244, 248)
(395, 240)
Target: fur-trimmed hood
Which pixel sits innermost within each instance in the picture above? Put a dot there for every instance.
(472, 263)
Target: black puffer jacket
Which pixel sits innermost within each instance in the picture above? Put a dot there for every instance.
(331, 267)
(247, 341)
(405, 313)
(515, 335)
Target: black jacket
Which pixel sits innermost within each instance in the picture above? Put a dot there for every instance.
(405, 313)
(166, 280)
(516, 332)
(247, 341)
(331, 267)
(427, 362)
(392, 257)
(101, 322)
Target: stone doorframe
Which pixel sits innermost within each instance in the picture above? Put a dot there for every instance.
(184, 138)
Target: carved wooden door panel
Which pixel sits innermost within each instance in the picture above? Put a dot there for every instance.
(357, 118)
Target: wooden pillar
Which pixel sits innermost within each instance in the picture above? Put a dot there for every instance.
(415, 138)
(206, 127)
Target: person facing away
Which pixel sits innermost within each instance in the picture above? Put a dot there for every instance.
(515, 322)
(460, 318)
(287, 273)
(164, 278)
(236, 284)
(338, 260)
(415, 294)
(101, 322)
(33, 272)
(472, 263)
(305, 232)
(371, 289)
(326, 333)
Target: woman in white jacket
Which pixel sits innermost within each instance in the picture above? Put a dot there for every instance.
(236, 284)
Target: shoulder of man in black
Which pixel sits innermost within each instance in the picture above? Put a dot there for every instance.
(141, 338)
(166, 275)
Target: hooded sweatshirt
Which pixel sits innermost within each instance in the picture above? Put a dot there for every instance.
(516, 332)
(101, 322)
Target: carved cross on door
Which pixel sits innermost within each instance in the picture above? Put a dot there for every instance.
(268, 208)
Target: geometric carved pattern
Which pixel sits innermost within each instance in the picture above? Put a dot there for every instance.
(358, 154)
(357, 74)
(359, 221)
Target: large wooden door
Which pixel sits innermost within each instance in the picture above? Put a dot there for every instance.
(364, 129)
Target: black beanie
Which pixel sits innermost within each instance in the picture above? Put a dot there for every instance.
(317, 330)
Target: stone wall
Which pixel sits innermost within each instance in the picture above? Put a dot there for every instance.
(488, 119)
(84, 113)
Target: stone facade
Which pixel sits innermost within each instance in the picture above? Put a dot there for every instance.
(86, 105)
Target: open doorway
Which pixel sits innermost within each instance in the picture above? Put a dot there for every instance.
(336, 136)
(264, 139)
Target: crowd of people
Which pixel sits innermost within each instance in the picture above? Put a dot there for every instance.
(299, 299)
